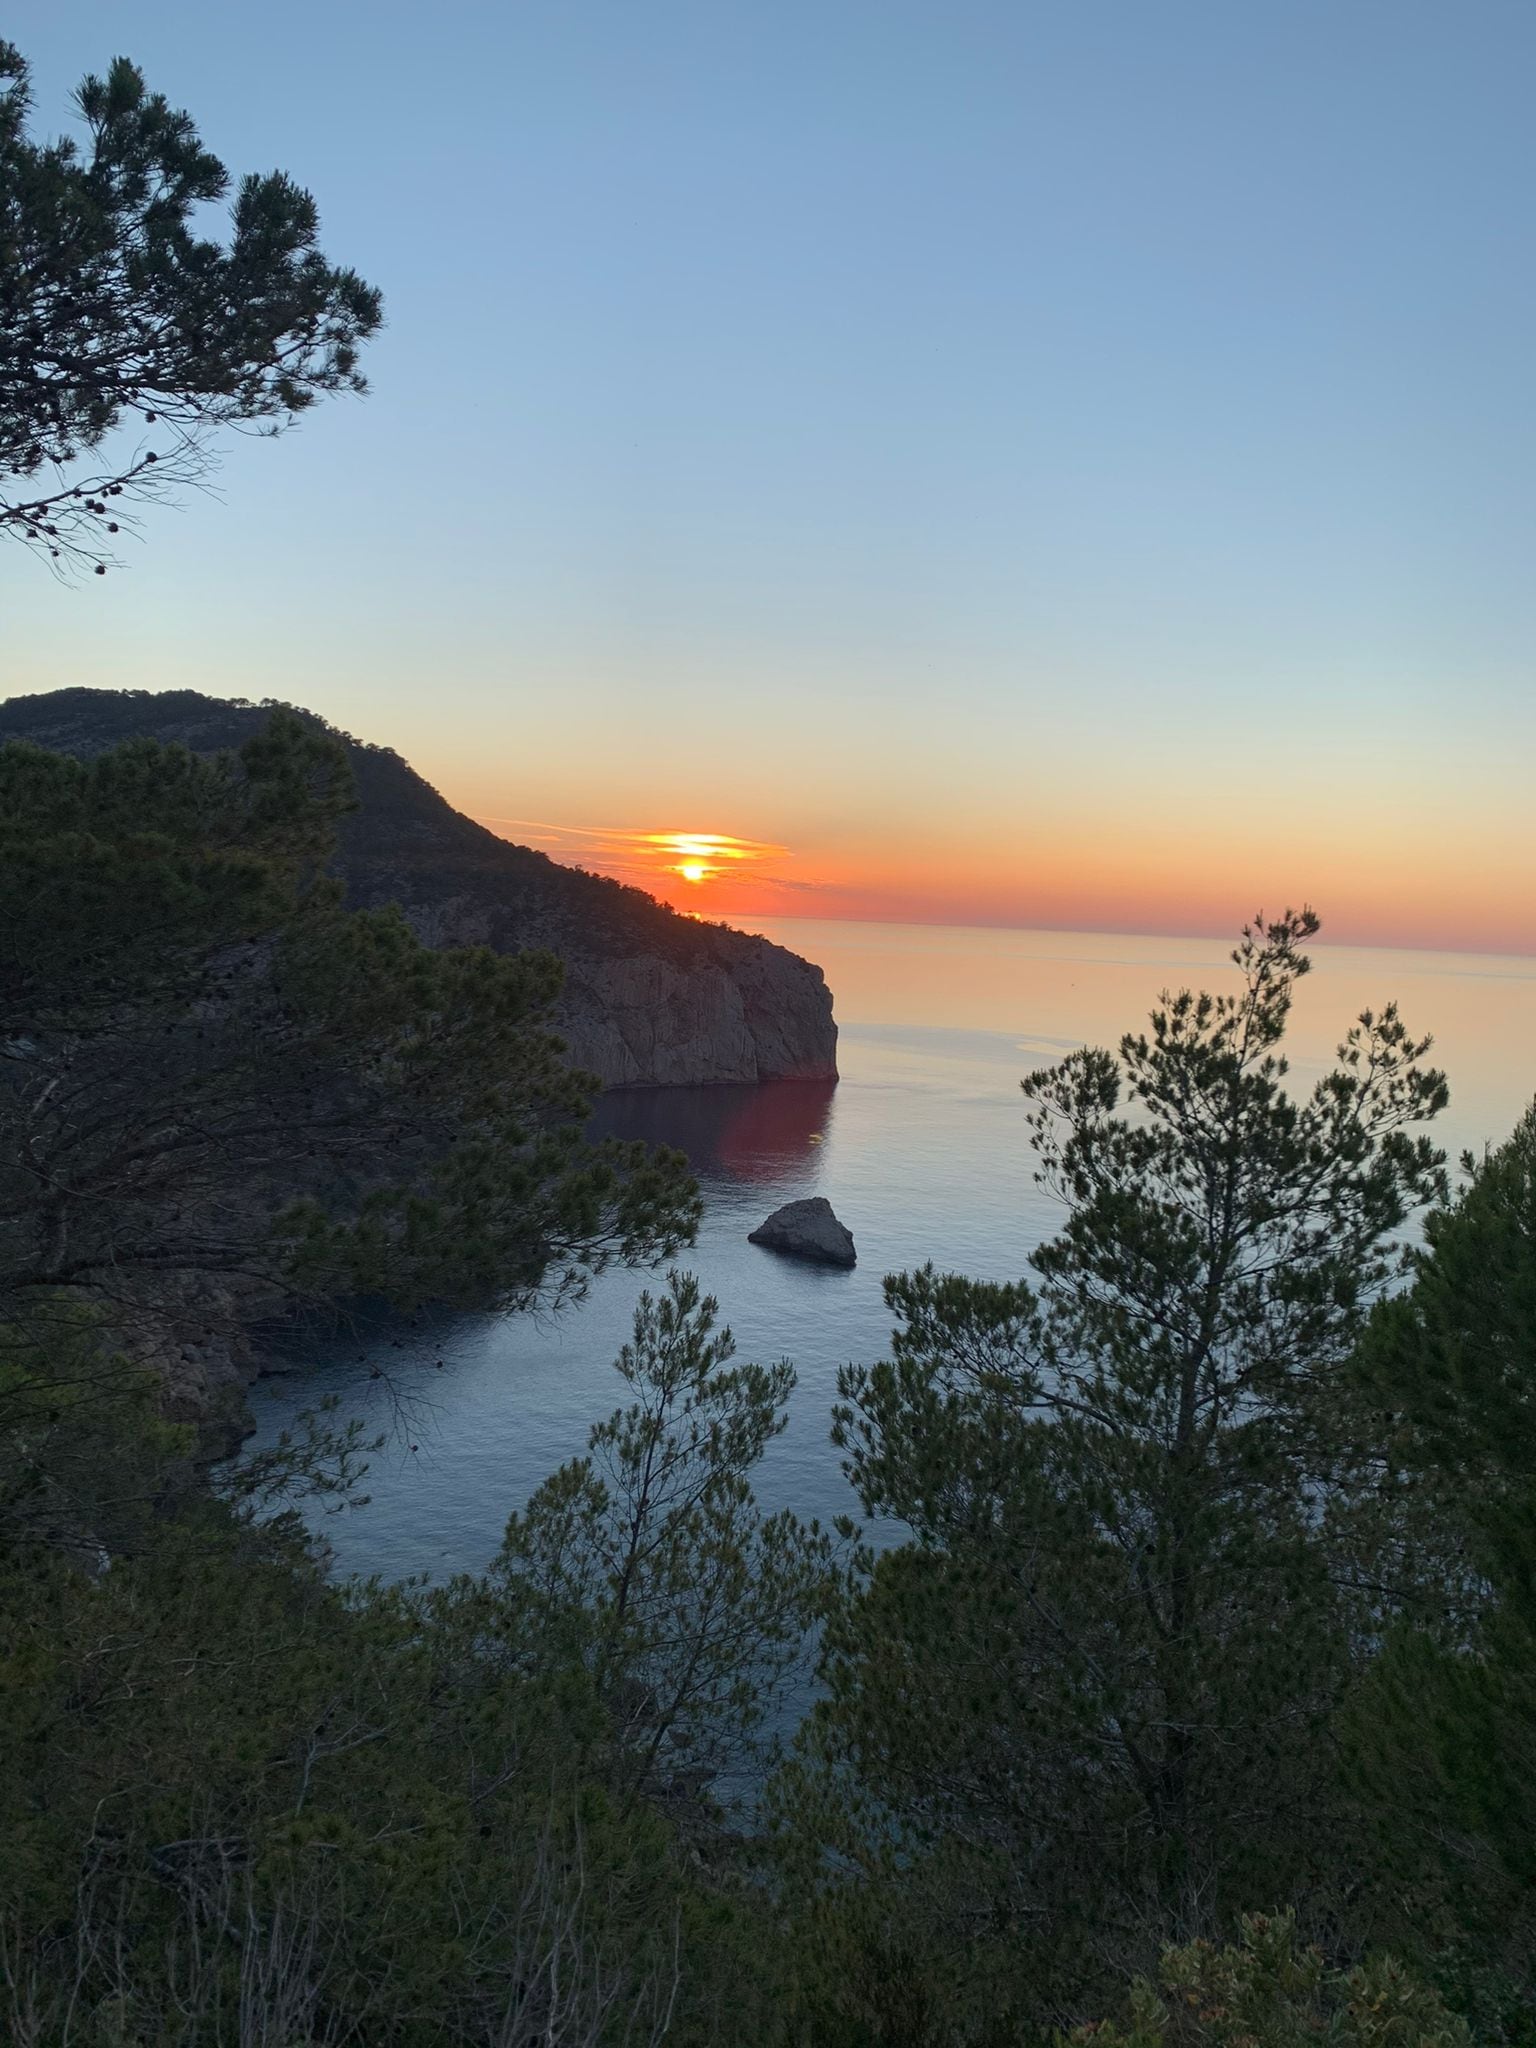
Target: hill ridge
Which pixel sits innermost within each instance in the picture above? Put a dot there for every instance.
(652, 999)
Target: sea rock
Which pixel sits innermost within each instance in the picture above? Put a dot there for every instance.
(651, 998)
(807, 1230)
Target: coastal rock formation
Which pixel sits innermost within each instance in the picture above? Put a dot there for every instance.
(807, 1230)
(651, 998)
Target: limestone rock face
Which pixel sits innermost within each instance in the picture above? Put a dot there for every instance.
(651, 998)
(730, 1008)
(807, 1230)
(758, 1013)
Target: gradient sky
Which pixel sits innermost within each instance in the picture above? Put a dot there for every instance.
(1039, 464)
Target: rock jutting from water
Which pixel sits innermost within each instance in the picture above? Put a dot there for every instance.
(807, 1230)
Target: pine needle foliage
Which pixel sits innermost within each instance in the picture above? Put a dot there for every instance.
(1442, 1737)
(243, 1805)
(1267, 1990)
(649, 1560)
(1083, 1710)
(219, 1086)
(127, 337)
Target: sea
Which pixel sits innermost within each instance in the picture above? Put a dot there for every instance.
(921, 1148)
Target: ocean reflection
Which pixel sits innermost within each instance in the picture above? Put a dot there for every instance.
(760, 1133)
(922, 1150)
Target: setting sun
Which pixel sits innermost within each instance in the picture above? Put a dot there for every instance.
(699, 858)
(672, 864)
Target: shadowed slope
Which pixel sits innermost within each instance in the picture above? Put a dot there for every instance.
(652, 998)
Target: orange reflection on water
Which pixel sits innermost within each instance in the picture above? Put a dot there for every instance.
(776, 1127)
(749, 1132)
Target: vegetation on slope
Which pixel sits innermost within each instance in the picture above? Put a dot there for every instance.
(1144, 1666)
(221, 1089)
(1217, 1590)
(401, 831)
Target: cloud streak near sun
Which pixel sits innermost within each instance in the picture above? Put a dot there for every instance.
(653, 859)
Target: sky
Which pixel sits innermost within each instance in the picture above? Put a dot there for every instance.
(1021, 464)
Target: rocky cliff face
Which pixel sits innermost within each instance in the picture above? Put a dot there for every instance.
(652, 999)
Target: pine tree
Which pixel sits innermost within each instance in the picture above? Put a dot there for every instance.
(649, 1561)
(1442, 1736)
(1267, 1988)
(221, 1091)
(241, 1803)
(126, 338)
(1082, 1710)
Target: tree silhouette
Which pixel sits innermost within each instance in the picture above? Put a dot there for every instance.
(126, 338)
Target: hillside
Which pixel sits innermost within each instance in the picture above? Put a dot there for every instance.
(652, 998)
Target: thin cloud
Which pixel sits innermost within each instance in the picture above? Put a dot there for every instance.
(693, 857)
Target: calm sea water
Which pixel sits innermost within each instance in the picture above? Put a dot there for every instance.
(920, 1148)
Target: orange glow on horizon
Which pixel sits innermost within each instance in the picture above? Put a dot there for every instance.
(653, 860)
(1073, 878)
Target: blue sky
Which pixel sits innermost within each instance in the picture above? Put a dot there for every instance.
(1035, 462)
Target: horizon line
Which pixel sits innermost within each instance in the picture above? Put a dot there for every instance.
(1107, 931)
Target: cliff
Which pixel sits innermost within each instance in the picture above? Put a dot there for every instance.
(652, 998)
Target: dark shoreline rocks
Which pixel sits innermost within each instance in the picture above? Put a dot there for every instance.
(807, 1230)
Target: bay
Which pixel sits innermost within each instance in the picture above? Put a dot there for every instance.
(921, 1149)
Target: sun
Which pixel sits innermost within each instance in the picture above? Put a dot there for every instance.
(702, 859)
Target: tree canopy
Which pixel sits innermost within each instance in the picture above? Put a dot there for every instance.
(127, 336)
(1203, 1669)
(221, 1090)
(649, 1560)
(1085, 1707)
(1443, 1734)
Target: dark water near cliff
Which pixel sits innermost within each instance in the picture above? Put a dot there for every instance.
(921, 1150)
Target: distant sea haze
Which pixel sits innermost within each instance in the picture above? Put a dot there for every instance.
(922, 1150)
